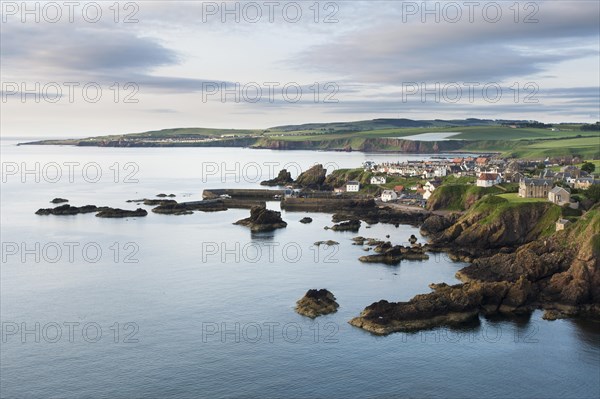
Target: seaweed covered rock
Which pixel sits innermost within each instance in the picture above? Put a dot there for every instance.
(316, 303)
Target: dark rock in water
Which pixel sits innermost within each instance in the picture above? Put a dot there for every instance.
(186, 208)
(263, 219)
(312, 178)
(59, 200)
(283, 178)
(104, 211)
(373, 215)
(328, 242)
(412, 239)
(306, 220)
(154, 202)
(120, 213)
(163, 195)
(68, 210)
(350, 225)
(316, 303)
(446, 305)
(392, 255)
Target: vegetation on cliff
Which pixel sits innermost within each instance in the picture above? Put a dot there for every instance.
(458, 197)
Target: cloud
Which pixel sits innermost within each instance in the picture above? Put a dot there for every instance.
(392, 52)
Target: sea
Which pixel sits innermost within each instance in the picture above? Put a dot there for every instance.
(194, 306)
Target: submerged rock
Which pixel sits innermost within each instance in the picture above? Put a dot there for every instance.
(262, 219)
(316, 303)
(328, 242)
(306, 220)
(392, 255)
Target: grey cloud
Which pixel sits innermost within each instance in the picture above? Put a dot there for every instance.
(392, 52)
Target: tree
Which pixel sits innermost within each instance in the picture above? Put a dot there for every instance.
(588, 167)
(593, 192)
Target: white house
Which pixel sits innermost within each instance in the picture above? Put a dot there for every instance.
(440, 172)
(428, 174)
(429, 188)
(352, 186)
(388, 195)
(488, 179)
(378, 180)
(559, 196)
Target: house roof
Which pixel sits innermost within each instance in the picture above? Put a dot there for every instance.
(353, 182)
(488, 176)
(537, 182)
(558, 189)
(389, 192)
(398, 188)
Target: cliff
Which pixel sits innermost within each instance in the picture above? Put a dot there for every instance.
(558, 272)
(494, 223)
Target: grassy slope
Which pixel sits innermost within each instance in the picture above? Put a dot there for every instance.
(493, 207)
(458, 197)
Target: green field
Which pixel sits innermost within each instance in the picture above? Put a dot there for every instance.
(472, 135)
(514, 198)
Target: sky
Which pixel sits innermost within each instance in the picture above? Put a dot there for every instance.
(78, 69)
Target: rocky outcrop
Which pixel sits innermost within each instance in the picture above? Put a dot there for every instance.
(393, 255)
(263, 219)
(446, 305)
(153, 201)
(559, 273)
(68, 210)
(283, 179)
(312, 178)
(328, 243)
(121, 213)
(330, 204)
(163, 195)
(316, 303)
(59, 200)
(562, 270)
(104, 211)
(374, 214)
(350, 225)
(187, 208)
(437, 223)
(494, 224)
(306, 220)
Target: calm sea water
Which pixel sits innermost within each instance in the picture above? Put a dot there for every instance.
(193, 306)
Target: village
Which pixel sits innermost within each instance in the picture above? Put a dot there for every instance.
(412, 184)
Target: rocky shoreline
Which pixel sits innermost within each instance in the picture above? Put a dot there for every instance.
(558, 273)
